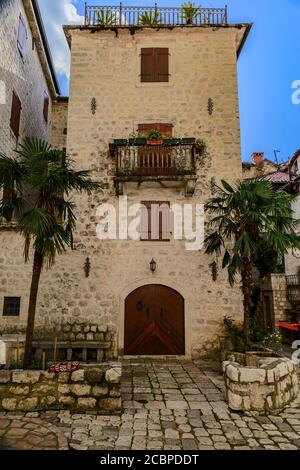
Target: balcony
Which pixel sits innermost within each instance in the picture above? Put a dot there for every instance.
(122, 16)
(293, 289)
(174, 165)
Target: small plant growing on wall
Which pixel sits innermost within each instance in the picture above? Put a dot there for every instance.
(189, 12)
(201, 147)
(154, 138)
(150, 19)
(105, 17)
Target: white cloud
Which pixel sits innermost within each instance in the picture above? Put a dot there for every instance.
(56, 13)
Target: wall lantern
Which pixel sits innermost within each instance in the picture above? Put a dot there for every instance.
(152, 265)
(87, 267)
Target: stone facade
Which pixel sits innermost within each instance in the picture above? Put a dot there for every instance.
(92, 389)
(28, 76)
(59, 128)
(274, 291)
(105, 66)
(266, 387)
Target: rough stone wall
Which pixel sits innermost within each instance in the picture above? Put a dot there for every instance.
(106, 67)
(269, 386)
(59, 124)
(25, 76)
(94, 389)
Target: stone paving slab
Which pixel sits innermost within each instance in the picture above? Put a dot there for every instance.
(168, 405)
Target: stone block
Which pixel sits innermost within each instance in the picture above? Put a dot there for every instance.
(45, 375)
(48, 401)
(26, 377)
(63, 377)
(5, 376)
(113, 376)
(19, 389)
(87, 403)
(232, 372)
(78, 376)
(9, 404)
(93, 375)
(90, 337)
(64, 388)
(67, 401)
(100, 390)
(235, 401)
(28, 404)
(43, 389)
(249, 374)
(81, 390)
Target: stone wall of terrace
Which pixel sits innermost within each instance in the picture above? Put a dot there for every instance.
(91, 389)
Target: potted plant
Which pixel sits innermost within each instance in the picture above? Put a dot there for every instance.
(154, 138)
(150, 19)
(120, 142)
(137, 141)
(201, 147)
(188, 140)
(189, 12)
(105, 17)
(172, 141)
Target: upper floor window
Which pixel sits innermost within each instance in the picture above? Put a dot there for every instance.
(155, 221)
(11, 306)
(155, 64)
(15, 114)
(22, 36)
(46, 106)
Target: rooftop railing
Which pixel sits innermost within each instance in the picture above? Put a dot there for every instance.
(115, 16)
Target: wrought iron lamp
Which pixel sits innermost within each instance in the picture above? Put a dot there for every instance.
(153, 266)
(87, 267)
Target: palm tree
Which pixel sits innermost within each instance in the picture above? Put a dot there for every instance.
(242, 219)
(37, 185)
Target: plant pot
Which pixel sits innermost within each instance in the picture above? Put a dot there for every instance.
(155, 141)
(138, 141)
(120, 142)
(171, 142)
(188, 140)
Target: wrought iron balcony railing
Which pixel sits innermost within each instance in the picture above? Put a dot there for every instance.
(115, 16)
(155, 160)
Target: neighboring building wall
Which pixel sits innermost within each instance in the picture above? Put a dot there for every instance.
(274, 287)
(253, 170)
(106, 67)
(24, 75)
(59, 123)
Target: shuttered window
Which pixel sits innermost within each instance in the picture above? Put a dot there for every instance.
(166, 130)
(46, 106)
(15, 114)
(155, 64)
(155, 221)
(22, 36)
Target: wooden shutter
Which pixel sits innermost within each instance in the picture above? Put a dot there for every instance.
(15, 114)
(46, 106)
(147, 65)
(165, 129)
(22, 36)
(155, 64)
(162, 64)
(155, 221)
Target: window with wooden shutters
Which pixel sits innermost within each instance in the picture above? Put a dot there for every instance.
(46, 106)
(155, 221)
(22, 36)
(15, 114)
(155, 64)
(166, 130)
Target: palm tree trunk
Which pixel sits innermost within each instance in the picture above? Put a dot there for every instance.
(36, 273)
(247, 286)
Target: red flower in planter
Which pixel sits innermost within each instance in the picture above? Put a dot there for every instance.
(64, 367)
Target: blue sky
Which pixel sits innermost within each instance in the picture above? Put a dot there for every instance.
(268, 65)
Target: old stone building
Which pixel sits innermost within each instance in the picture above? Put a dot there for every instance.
(27, 79)
(150, 295)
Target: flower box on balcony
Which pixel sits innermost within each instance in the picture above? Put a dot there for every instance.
(155, 141)
(138, 141)
(171, 142)
(188, 140)
(120, 142)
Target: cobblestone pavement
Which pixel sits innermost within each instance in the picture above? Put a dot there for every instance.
(170, 405)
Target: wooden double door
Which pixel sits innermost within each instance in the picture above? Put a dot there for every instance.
(154, 322)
